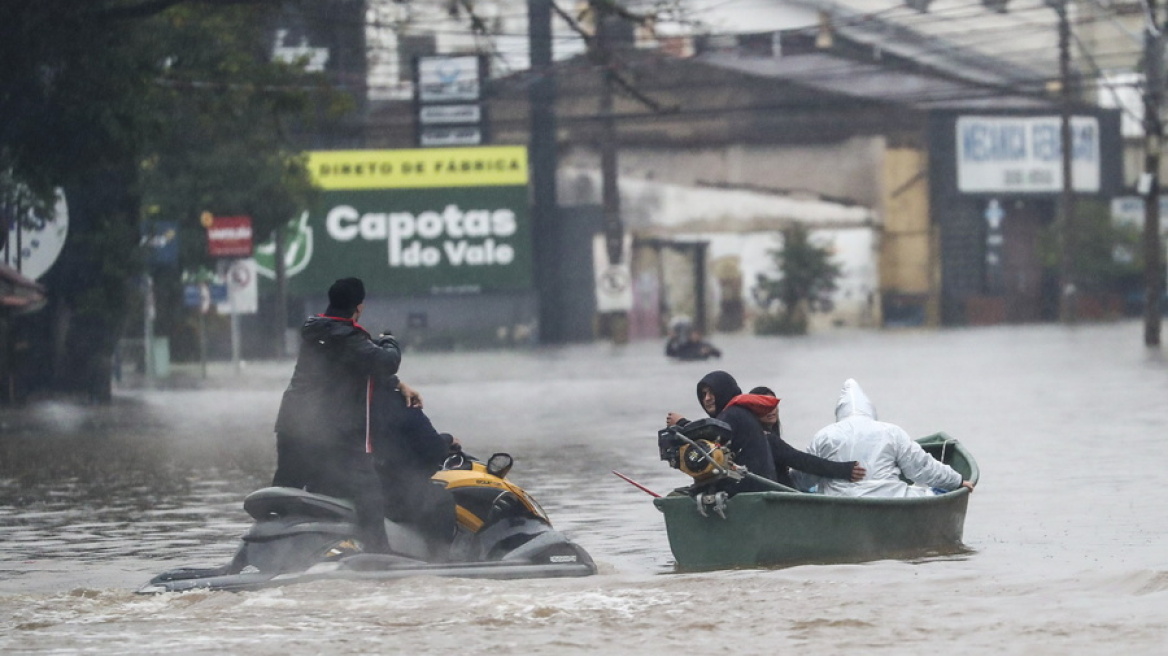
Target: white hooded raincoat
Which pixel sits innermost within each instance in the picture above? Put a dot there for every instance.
(884, 449)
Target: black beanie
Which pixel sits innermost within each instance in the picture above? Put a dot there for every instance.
(344, 297)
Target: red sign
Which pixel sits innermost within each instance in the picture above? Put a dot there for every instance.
(229, 236)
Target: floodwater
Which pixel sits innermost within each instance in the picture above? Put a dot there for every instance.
(1067, 531)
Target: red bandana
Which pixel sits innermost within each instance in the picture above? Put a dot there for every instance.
(759, 404)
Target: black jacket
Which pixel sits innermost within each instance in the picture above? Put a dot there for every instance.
(749, 442)
(760, 451)
(326, 401)
(686, 349)
(787, 457)
(405, 442)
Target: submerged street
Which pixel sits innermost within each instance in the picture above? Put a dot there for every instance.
(1066, 528)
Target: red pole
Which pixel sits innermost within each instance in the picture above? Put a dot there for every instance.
(638, 485)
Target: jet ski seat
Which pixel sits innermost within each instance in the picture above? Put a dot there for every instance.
(279, 502)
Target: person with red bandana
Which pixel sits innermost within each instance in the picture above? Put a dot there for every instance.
(322, 430)
(790, 463)
(722, 398)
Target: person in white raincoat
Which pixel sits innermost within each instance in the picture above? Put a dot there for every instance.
(884, 449)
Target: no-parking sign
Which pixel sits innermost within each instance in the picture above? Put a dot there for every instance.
(242, 289)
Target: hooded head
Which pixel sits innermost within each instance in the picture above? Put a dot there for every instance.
(724, 388)
(853, 401)
(344, 297)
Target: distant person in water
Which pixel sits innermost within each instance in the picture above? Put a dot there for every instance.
(884, 449)
(686, 343)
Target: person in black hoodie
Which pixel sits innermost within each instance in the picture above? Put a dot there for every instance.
(321, 429)
(749, 443)
(407, 450)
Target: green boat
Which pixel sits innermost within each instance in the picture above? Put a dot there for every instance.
(787, 528)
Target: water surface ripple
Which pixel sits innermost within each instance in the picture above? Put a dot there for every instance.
(1067, 533)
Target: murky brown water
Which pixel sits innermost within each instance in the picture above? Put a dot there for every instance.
(1068, 531)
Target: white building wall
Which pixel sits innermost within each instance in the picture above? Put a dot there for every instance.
(744, 227)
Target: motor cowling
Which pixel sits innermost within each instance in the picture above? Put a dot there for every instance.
(691, 446)
(695, 460)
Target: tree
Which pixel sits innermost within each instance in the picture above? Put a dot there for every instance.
(1107, 257)
(174, 101)
(807, 277)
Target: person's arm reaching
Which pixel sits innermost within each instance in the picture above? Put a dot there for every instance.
(805, 462)
(413, 399)
(921, 468)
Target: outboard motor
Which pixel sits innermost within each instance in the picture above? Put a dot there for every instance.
(697, 448)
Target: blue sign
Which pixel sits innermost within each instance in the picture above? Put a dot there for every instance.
(192, 296)
(204, 295)
(161, 241)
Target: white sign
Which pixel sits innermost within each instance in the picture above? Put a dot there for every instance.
(454, 136)
(439, 114)
(40, 246)
(614, 282)
(448, 79)
(998, 154)
(242, 288)
(404, 231)
(1129, 211)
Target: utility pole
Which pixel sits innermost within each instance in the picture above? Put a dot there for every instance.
(617, 323)
(281, 319)
(1068, 290)
(1153, 135)
(542, 163)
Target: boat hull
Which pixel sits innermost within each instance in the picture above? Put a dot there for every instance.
(786, 528)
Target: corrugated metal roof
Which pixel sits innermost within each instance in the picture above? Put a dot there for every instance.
(1018, 44)
(873, 81)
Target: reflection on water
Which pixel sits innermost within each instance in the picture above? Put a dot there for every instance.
(1067, 425)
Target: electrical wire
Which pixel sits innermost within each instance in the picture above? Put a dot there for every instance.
(825, 73)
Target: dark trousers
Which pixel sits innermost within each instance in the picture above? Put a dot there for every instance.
(416, 501)
(336, 472)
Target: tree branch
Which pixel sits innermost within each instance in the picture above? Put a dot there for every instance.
(148, 8)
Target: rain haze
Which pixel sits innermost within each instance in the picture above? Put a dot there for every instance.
(1064, 533)
(953, 202)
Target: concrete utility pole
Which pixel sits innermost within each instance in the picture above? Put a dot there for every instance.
(281, 318)
(542, 151)
(1068, 289)
(1153, 135)
(617, 322)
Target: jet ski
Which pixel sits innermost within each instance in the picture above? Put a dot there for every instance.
(298, 536)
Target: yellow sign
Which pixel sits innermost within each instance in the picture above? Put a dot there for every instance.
(485, 166)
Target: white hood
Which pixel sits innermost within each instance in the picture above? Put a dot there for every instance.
(884, 449)
(853, 401)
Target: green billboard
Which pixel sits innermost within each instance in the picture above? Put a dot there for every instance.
(410, 222)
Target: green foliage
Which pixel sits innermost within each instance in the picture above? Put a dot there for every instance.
(144, 108)
(807, 277)
(1108, 257)
(220, 142)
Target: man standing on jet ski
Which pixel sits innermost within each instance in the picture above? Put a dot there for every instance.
(322, 431)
